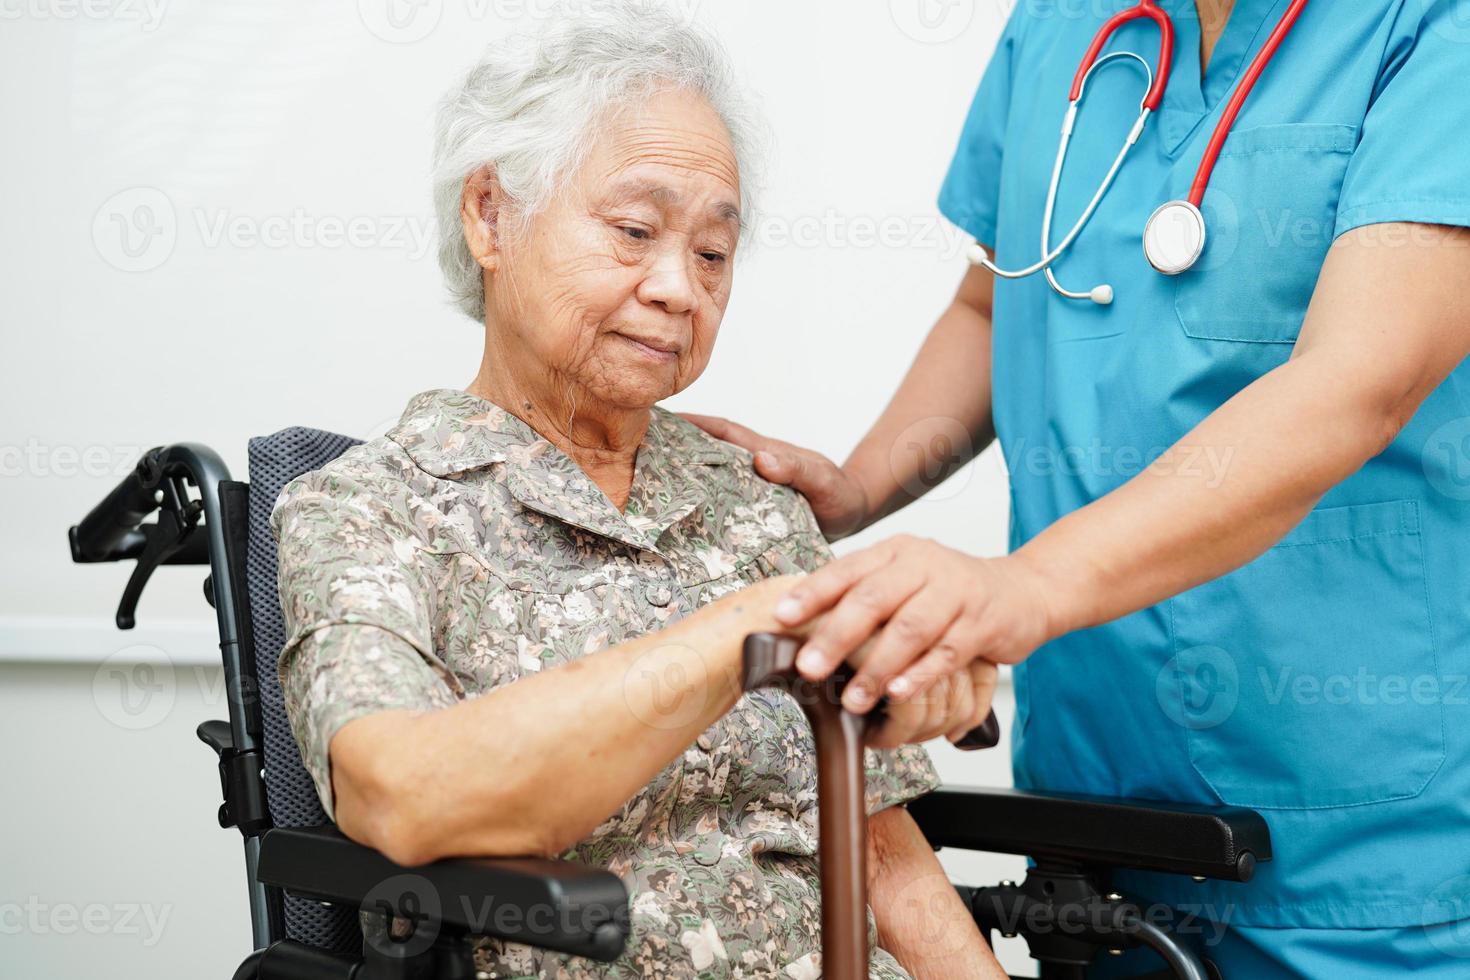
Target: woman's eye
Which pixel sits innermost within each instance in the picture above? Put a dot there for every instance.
(712, 256)
(637, 234)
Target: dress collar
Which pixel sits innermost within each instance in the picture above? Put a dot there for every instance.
(451, 434)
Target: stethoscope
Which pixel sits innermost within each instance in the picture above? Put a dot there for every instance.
(1174, 237)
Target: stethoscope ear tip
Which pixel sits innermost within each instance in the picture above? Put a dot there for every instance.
(1102, 295)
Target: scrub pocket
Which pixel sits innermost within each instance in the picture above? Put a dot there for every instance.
(1271, 210)
(1309, 678)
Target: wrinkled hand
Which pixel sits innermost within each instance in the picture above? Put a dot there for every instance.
(934, 610)
(953, 706)
(839, 503)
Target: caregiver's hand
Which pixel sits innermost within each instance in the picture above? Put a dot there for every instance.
(934, 610)
(837, 500)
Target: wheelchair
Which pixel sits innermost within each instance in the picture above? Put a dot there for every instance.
(325, 908)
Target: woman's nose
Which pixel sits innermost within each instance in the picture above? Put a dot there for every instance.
(669, 283)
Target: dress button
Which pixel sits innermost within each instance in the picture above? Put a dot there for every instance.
(658, 594)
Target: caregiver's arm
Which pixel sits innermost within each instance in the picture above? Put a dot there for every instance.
(1390, 319)
(515, 771)
(920, 917)
(1386, 326)
(938, 420)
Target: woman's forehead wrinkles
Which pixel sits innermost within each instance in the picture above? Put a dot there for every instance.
(678, 148)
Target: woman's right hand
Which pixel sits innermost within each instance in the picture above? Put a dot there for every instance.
(837, 500)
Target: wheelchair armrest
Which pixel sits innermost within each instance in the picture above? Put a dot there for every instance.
(556, 905)
(1206, 842)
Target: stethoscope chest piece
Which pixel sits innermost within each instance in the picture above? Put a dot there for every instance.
(1174, 237)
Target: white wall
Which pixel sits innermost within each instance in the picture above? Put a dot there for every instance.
(175, 181)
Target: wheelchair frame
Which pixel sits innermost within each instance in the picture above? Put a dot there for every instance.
(1065, 907)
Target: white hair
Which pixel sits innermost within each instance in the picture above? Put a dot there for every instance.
(529, 109)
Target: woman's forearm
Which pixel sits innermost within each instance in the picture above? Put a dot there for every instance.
(534, 766)
(939, 419)
(920, 917)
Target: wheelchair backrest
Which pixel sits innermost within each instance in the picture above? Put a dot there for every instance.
(275, 460)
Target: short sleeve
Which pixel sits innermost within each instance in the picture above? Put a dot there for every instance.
(896, 776)
(1409, 164)
(354, 586)
(970, 196)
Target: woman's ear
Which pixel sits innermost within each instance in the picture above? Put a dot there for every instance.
(480, 210)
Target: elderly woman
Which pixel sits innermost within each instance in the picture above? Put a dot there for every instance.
(515, 620)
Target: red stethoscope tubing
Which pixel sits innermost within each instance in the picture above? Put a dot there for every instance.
(1227, 121)
(1155, 96)
(1145, 8)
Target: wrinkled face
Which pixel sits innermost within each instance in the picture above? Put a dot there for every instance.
(619, 286)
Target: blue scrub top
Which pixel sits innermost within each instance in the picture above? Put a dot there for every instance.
(1324, 684)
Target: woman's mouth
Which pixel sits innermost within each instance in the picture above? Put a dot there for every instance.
(655, 350)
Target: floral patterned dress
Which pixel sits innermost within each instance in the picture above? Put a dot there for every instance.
(462, 551)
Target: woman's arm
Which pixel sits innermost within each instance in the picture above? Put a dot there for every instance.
(937, 421)
(920, 917)
(1386, 326)
(534, 766)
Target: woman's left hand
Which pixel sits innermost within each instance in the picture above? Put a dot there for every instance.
(934, 610)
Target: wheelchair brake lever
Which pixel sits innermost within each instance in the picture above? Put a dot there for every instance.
(178, 518)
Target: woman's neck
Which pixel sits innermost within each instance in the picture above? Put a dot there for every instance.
(601, 439)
